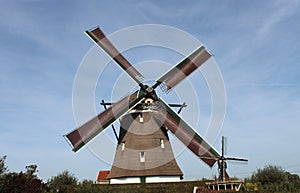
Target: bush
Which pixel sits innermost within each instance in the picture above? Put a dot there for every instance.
(275, 179)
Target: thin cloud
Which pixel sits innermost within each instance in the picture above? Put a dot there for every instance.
(281, 11)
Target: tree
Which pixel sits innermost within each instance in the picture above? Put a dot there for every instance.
(64, 182)
(270, 175)
(22, 182)
(274, 178)
(3, 168)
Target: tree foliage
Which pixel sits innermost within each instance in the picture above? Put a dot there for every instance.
(22, 182)
(31, 170)
(63, 182)
(270, 175)
(274, 178)
(3, 167)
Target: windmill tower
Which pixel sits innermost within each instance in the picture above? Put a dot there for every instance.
(143, 150)
(144, 153)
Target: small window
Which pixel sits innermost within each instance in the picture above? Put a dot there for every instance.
(142, 156)
(141, 118)
(123, 146)
(162, 144)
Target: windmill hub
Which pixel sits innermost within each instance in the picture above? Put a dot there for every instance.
(149, 92)
(149, 89)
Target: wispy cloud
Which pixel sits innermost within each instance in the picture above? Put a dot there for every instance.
(280, 11)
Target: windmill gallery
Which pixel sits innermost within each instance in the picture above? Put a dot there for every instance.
(144, 153)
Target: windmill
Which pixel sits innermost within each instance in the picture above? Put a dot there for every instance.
(223, 182)
(143, 150)
(222, 165)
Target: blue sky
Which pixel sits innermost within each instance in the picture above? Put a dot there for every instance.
(255, 43)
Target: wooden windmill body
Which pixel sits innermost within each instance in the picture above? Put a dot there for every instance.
(144, 152)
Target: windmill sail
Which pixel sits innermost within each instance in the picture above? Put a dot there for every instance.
(186, 134)
(184, 68)
(82, 135)
(98, 36)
